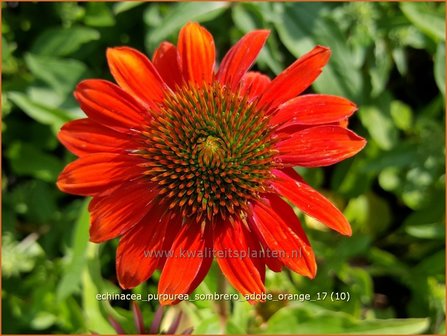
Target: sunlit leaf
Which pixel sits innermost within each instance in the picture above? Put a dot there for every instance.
(73, 271)
(61, 75)
(423, 16)
(42, 113)
(440, 68)
(63, 42)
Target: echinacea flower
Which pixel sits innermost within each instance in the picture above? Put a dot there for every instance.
(181, 160)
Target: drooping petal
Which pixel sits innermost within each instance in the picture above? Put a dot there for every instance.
(290, 185)
(197, 53)
(271, 260)
(242, 270)
(114, 213)
(95, 173)
(319, 146)
(254, 84)
(313, 109)
(241, 57)
(83, 137)
(275, 223)
(167, 62)
(188, 264)
(296, 78)
(107, 104)
(140, 248)
(135, 73)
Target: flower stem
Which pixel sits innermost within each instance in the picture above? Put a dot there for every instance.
(222, 305)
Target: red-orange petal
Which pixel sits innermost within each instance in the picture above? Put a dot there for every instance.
(188, 264)
(319, 146)
(166, 60)
(95, 173)
(275, 223)
(271, 261)
(296, 78)
(175, 225)
(83, 137)
(241, 57)
(244, 272)
(197, 53)
(313, 109)
(135, 73)
(139, 249)
(292, 186)
(112, 214)
(107, 104)
(254, 84)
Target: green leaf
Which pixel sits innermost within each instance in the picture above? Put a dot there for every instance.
(27, 160)
(427, 231)
(19, 257)
(307, 320)
(179, 15)
(92, 284)
(380, 70)
(247, 16)
(121, 7)
(35, 200)
(379, 124)
(99, 14)
(361, 213)
(63, 42)
(43, 320)
(400, 59)
(432, 265)
(61, 75)
(72, 275)
(427, 223)
(296, 23)
(302, 26)
(389, 179)
(402, 115)
(209, 326)
(9, 62)
(440, 67)
(392, 326)
(41, 113)
(423, 16)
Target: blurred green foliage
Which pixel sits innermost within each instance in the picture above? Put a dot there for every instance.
(387, 57)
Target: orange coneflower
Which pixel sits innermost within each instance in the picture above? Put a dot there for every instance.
(184, 160)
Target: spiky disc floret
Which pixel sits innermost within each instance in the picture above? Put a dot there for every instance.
(210, 150)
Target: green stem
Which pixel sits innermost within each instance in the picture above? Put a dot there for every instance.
(222, 305)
